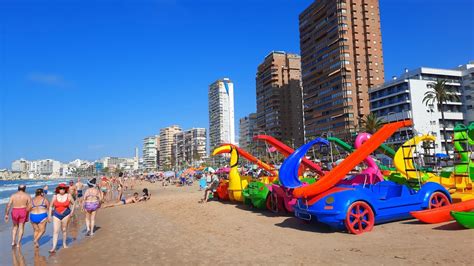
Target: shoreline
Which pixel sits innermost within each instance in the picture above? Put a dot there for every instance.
(173, 228)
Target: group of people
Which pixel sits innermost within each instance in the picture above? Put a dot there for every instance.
(60, 210)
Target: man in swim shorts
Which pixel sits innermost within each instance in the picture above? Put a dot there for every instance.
(79, 187)
(19, 204)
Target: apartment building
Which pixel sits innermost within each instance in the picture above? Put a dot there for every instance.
(341, 58)
(279, 97)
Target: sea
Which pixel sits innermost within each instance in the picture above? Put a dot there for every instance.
(8, 187)
(28, 255)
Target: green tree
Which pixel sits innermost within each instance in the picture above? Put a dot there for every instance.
(440, 93)
(371, 123)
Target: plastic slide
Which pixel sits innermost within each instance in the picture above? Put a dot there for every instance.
(403, 159)
(340, 171)
(286, 151)
(243, 153)
(289, 168)
(463, 134)
(372, 171)
(442, 214)
(347, 147)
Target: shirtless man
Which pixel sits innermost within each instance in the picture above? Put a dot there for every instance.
(79, 187)
(19, 205)
(72, 190)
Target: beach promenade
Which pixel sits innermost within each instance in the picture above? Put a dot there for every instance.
(174, 229)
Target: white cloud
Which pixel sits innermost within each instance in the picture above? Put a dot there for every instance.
(52, 80)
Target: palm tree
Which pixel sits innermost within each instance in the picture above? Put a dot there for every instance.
(440, 93)
(371, 123)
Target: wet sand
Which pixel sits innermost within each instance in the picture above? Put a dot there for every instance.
(27, 254)
(173, 228)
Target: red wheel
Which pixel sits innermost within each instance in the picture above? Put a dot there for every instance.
(359, 218)
(438, 199)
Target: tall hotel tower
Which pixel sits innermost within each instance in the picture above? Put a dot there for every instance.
(221, 113)
(341, 58)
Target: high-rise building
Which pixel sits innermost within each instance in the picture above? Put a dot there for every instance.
(247, 130)
(166, 145)
(402, 98)
(189, 148)
(150, 153)
(468, 91)
(221, 113)
(341, 58)
(279, 97)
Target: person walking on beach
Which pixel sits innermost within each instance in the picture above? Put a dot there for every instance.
(39, 215)
(19, 205)
(80, 192)
(92, 200)
(104, 188)
(60, 210)
(72, 189)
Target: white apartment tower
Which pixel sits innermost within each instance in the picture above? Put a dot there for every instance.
(150, 153)
(221, 113)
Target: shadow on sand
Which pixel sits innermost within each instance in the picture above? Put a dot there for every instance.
(454, 226)
(302, 225)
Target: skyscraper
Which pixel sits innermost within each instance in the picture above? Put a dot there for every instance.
(150, 153)
(166, 144)
(247, 130)
(279, 97)
(221, 113)
(341, 58)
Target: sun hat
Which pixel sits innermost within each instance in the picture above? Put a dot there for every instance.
(92, 182)
(62, 186)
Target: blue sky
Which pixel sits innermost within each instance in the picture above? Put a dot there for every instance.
(86, 79)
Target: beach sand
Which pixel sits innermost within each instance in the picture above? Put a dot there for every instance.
(173, 228)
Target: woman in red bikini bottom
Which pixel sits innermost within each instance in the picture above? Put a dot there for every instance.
(61, 209)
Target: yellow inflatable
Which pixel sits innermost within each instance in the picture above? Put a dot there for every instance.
(460, 188)
(236, 183)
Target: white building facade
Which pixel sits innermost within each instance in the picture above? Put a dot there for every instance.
(468, 91)
(150, 153)
(221, 113)
(402, 98)
(20, 165)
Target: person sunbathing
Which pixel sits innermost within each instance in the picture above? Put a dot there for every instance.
(125, 201)
(146, 195)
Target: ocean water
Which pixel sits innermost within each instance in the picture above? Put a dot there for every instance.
(28, 255)
(8, 187)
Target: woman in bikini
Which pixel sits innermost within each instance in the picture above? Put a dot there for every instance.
(92, 200)
(39, 215)
(60, 210)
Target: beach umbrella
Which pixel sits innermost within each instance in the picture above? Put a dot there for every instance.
(209, 169)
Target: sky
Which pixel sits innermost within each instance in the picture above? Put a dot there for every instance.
(87, 79)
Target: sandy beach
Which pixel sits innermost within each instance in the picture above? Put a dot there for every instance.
(173, 228)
